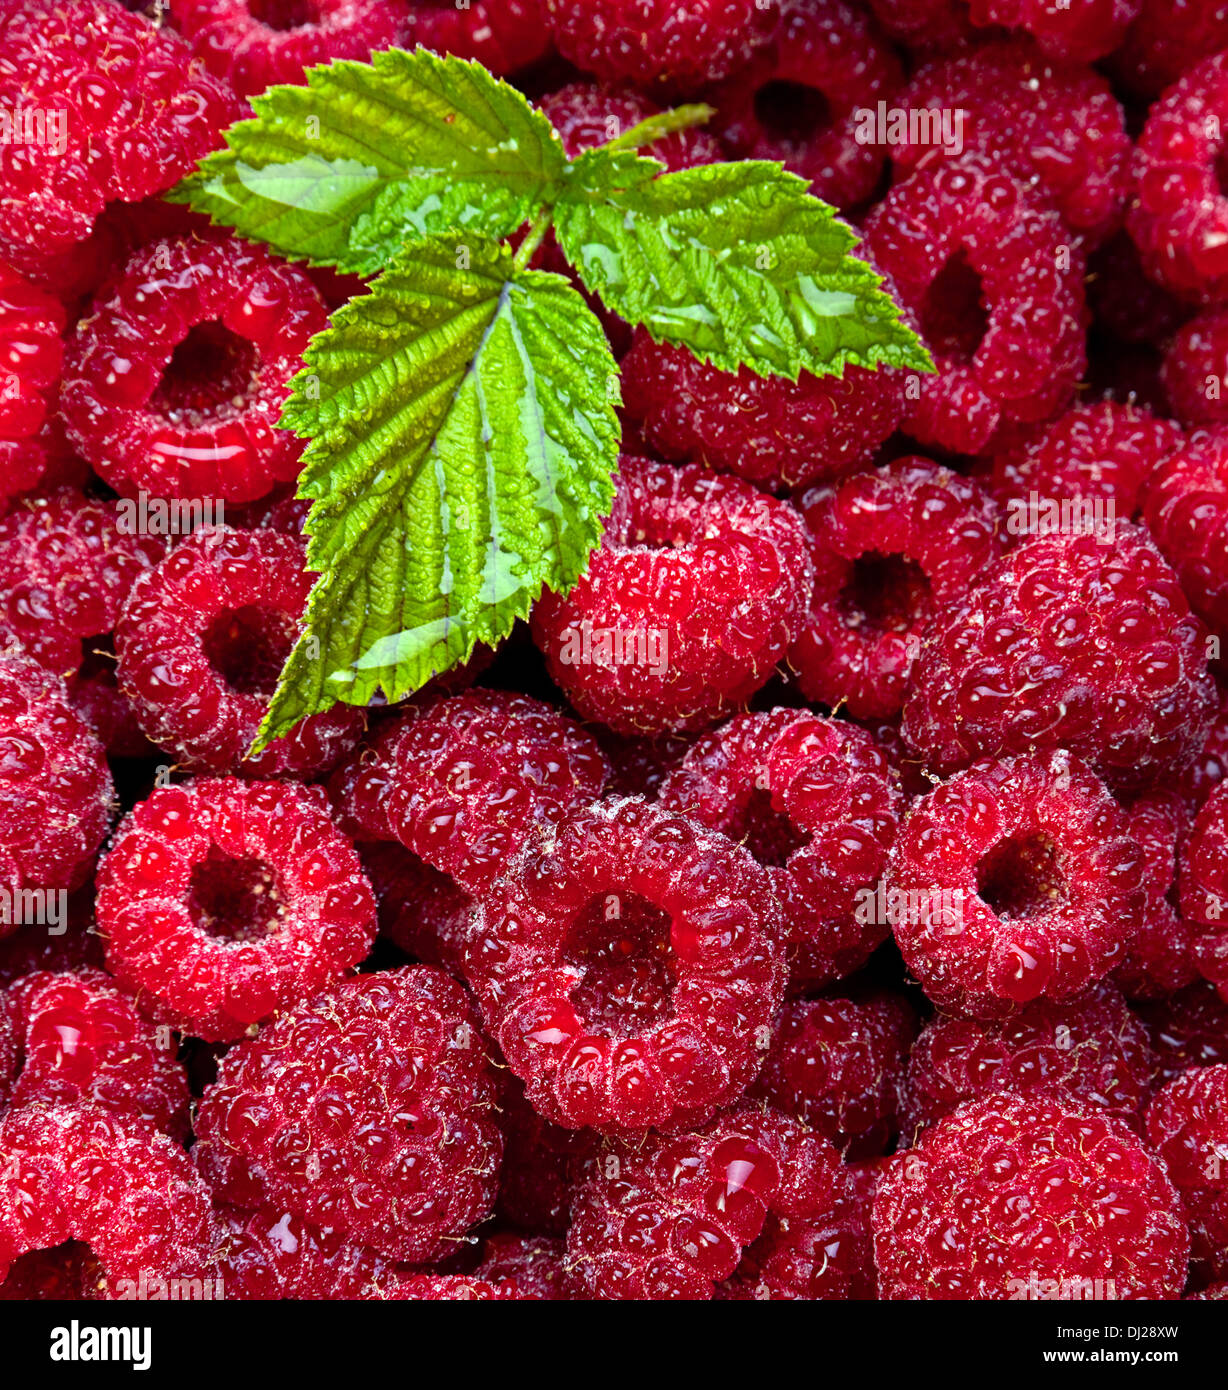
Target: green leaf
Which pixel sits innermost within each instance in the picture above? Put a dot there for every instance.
(463, 444)
(344, 170)
(738, 262)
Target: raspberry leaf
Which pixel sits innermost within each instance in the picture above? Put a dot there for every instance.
(737, 262)
(463, 440)
(342, 171)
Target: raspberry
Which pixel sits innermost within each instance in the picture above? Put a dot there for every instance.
(1187, 511)
(66, 566)
(55, 788)
(826, 1257)
(228, 901)
(1195, 371)
(1204, 888)
(421, 910)
(503, 35)
(1032, 1197)
(836, 1064)
(1128, 307)
(640, 765)
(460, 781)
(587, 115)
(888, 545)
(1088, 466)
(668, 1217)
(1188, 1029)
(67, 1273)
(769, 430)
(627, 965)
(253, 44)
(535, 1265)
(1167, 39)
(1014, 880)
(201, 643)
(799, 99)
(31, 356)
(1187, 1126)
(814, 801)
(10, 1050)
(77, 1172)
(97, 700)
(1090, 1047)
(173, 384)
(368, 1111)
(272, 1254)
(137, 115)
(1210, 767)
(991, 276)
(32, 947)
(1083, 641)
(538, 1159)
(1178, 216)
(82, 1040)
(924, 24)
(658, 41)
(450, 1288)
(1079, 33)
(698, 588)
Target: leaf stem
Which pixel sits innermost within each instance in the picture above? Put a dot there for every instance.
(533, 238)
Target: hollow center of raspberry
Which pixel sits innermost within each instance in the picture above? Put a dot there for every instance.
(248, 646)
(234, 899)
(284, 14)
(622, 942)
(768, 835)
(61, 1271)
(887, 592)
(1021, 877)
(211, 371)
(790, 113)
(953, 315)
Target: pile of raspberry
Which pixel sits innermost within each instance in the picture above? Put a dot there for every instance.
(826, 898)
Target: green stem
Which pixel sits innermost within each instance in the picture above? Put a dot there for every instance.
(533, 239)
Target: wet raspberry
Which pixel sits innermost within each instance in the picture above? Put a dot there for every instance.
(82, 1039)
(273, 1254)
(32, 947)
(769, 430)
(31, 356)
(1081, 640)
(1210, 767)
(449, 1288)
(924, 24)
(535, 1265)
(990, 274)
(798, 99)
(815, 802)
(1167, 39)
(226, 902)
(1187, 512)
(173, 384)
(1058, 126)
(1188, 1029)
(658, 41)
(253, 44)
(1080, 32)
(368, 1111)
(1195, 371)
(421, 910)
(1187, 1126)
(694, 596)
(629, 965)
(80, 1173)
(1178, 216)
(1028, 1197)
(1204, 888)
(587, 115)
(538, 1164)
(503, 35)
(669, 1217)
(138, 114)
(1014, 880)
(888, 546)
(202, 640)
(638, 766)
(837, 1064)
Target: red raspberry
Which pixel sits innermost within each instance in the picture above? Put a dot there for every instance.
(450, 1288)
(273, 1254)
(32, 947)
(503, 35)
(698, 588)
(814, 800)
(669, 1217)
(1080, 32)
(1195, 371)
(68, 1273)
(629, 965)
(1087, 467)
(202, 640)
(96, 698)
(1083, 641)
(640, 765)
(460, 781)
(368, 1111)
(1187, 1126)
(1188, 1029)
(587, 115)
(888, 546)
(991, 275)
(174, 382)
(769, 430)
(837, 1064)
(77, 1172)
(1091, 1047)
(1204, 888)
(1187, 512)
(924, 24)
(256, 43)
(1178, 217)
(659, 41)
(31, 357)
(825, 1257)
(1210, 767)
(228, 901)
(55, 788)
(1128, 307)
(538, 1163)
(421, 910)
(83, 1040)
(10, 1050)
(1024, 1197)
(1014, 880)
(1059, 127)
(799, 99)
(1167, 39)
(66, 566)
(137, 115)
(536, 1266)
